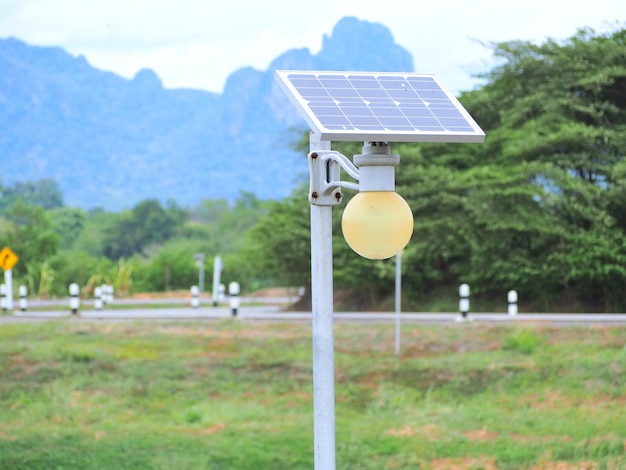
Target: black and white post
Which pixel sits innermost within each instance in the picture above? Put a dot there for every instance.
(464, 302)
(109, 293)
(3, 297)
(74, 301)
(512, 299)
(233, 292)
(195, 302)
(103, 294)
(23, 302)
(97, 303)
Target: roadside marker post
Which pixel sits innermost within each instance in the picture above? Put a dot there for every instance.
(103, 294)
(195, 302)
(110, 293)
(23, 302)
(97, 292)
(3, 297)
(464, 302)
(74, 301)
(512, 299)
(233, 292)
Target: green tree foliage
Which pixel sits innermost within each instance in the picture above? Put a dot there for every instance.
(44, 193)
(146, 224)
(277, 248)
(68, 222)
(39, 279)
(171, 268)
(77, 266)
(29, 234)
(93, 236)
(538, 206)
(229, 241)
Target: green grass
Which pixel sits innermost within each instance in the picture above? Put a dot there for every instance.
(237, 395)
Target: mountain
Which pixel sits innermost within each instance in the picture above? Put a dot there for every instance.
(112, 142)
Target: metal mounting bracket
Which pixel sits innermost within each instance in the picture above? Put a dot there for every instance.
(325, 184)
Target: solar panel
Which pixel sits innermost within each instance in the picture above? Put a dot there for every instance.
(379, 106)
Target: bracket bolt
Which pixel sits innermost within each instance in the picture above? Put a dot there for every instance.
(338, 195)
(314, 194)
(314, 155)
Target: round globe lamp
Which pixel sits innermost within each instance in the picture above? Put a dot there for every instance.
(377, 224)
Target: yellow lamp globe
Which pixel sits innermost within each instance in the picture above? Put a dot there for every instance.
(377, 224)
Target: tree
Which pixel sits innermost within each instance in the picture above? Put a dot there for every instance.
(171, 267)
(68, 223)
(30, 235)
(44, 193)
(277, 247)
(148, 223)
(520, 210)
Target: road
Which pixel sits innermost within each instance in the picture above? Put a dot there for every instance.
(275, 313)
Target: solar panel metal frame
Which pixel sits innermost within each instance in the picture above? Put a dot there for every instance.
(388, 106)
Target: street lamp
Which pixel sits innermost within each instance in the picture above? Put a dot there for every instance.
(374, 108)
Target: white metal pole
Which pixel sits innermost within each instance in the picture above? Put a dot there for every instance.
(323, 346)
(8, 280)
(217, 271)
(201, 275)
(398, 297)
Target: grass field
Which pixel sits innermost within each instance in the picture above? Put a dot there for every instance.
(228, 394)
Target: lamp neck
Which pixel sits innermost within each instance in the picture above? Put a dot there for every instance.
(376, 167)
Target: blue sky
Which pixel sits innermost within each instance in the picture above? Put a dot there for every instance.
(198, 43)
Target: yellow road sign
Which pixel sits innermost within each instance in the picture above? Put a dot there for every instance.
(7, 258)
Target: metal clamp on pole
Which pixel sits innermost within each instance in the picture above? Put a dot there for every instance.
(324, 183)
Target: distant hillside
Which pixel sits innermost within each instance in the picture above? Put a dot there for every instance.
(112, 142)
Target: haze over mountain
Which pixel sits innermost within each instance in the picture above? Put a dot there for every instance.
(112, 142)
